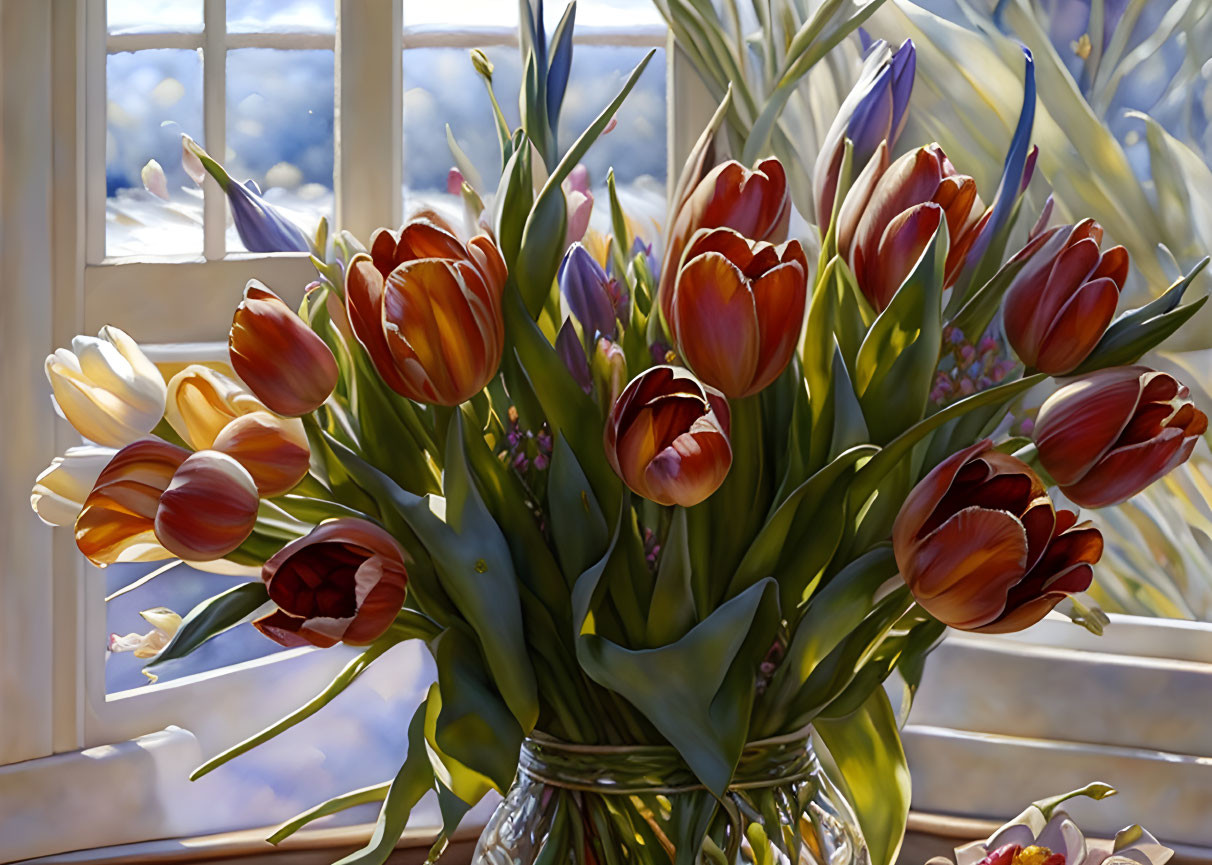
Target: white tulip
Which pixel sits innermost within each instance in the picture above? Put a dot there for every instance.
(59, 492)
(107, 388)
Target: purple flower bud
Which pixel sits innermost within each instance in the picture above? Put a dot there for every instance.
(966, 353)
(541, 461)
(874, 111)
(955, 336)
(583, 284)
(569, 348)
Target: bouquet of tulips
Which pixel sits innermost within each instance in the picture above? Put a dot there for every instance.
(680, 501)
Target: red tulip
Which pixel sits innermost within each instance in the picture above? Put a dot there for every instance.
(117, 521)
(887, 219)
(753, 203)
(981, 546)
(428, 311)
(1108, 435)
(282, 360)
(345, 581)
(737, 308)
(208, 509)
(667, 437)
(1063, 299)
(273, 450)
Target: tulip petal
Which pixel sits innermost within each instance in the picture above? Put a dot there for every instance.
(421, 238)
(208, 509)
(1077, 327)
(1078, 423)
(291, 631)
(900, 248)
(963, 571)
(273, 450)
(780, 298)
(364, 286)
(1125, 471)
(713, 310)
(691, 468)
(922, 500)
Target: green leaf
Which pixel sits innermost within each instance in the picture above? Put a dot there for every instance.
(343, 680)
(466, 167)
(672, 611)
(376, 793)
(413, 781)
(866, 747)
(1139, 330)
(211, 618)
(976, 313)
(697, 692)
(470, 727)
(514, 198)
(897, 359)
(578, 526)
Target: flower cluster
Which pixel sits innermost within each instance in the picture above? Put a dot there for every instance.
(965, 369)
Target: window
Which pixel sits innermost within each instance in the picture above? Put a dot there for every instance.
(105, 87)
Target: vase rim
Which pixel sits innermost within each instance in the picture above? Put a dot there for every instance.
(802, 734)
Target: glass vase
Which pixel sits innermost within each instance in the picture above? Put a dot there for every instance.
(591, 805)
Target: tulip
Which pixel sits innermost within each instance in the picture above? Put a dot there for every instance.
(579, 203)
(886, 220)
(1106, 436)
(345, 581)
(107, 388)
(273, 450)
(262, 228)
(165, 624)
(202, 401)
(117, 522)
(609, 371)
(282, 360)
(737, 308)
(427, 309)
(589, 292)
(1060, 303)
(753, 203)
(667, 437)
(60, 490)
(873, 112)
(208, 508)
(981, 546)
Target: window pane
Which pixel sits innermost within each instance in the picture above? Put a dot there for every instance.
(279, 16)
(459, 13)
(158, 16)
(179, 590)
(441, 87)
(153, 97)
(621, 14)
(280, 130)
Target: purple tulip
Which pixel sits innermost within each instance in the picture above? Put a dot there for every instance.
(262, 228)
(570, 350)
(586, 288)
(874, 111)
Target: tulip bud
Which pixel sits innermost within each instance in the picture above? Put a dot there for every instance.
(117, 522)
(1106, 436)
(754, 203)
(107, 388)
(737, 309)
(59, 492)
(1060, 303)
(579, 203)
(585, 287)
(667, 437)
(208, 509)
(273, 450)
(482, 65)
(568, 347)
(345, 581)
(885, 221)
(202, 401)
(433, 328)
(609, 369)
(282, 360)
(873, 112)
(981, 546)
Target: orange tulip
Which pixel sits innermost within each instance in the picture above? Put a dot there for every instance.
(117, 522)
(208, 509)
(1108, 435)
(345, 581)
(274, 451)
(282, 360)
(981, 546)
(667, 437)
(754, 203)
(431, 323)
(887, 219)
(1061, 302)
(737, 308)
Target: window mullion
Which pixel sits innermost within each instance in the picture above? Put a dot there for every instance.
(214, 117)
(368, 115)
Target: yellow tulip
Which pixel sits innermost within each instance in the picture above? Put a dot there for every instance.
(107, 388)
(202, 401)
